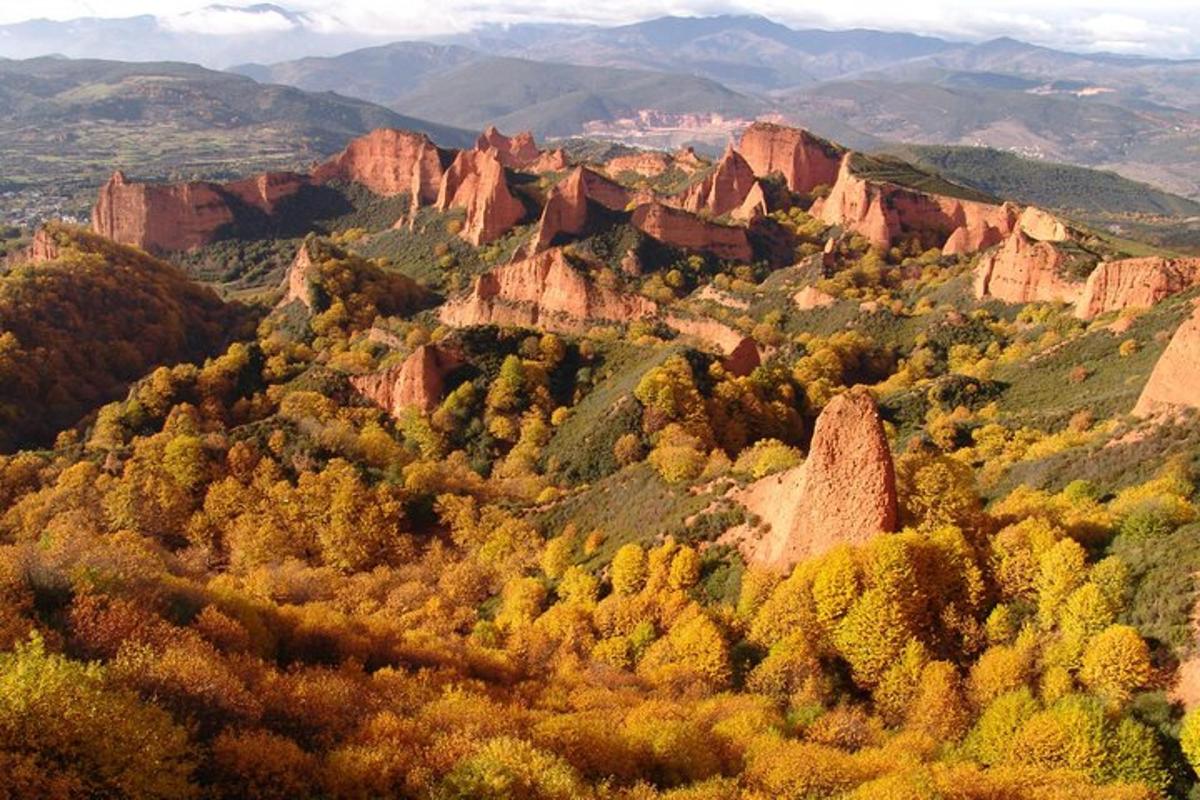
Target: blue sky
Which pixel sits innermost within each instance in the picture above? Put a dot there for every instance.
(1148, 27)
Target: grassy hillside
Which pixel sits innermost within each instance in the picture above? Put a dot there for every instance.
(1047, 184)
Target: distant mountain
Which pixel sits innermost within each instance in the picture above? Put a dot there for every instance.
(749, 53)
(66, 124)
(216, 36)
(1136, 138)
(461, 87)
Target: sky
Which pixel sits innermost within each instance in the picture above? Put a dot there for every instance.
(1169, 28)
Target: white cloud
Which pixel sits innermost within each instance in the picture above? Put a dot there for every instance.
(227, 21)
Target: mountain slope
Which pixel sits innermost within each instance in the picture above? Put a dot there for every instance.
(78, 328)
(66, 125)
(459, 87)
(751, 53)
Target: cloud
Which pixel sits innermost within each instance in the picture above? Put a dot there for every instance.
(229, 21)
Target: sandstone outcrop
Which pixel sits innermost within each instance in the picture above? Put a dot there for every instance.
(543, 290)
(183, 216)
(476, 182)
(1174, 382)
(844, 492)
(390, 162)
(811, 297)
(418, 382)
(1043, 226)
(723, 190)
(678, 228)
(297, 283)
(805, 161)
(1024, 271)
(740, 353)
(43, 247)
(647, 164)
(566, 209)
(520, 152)
(881, 212)
(1135, 283)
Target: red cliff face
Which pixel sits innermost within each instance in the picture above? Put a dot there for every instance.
(649, 164)
(476, 182)
(182, 216)
(881, 212)
(845, 492)
(1174, 383)
(298, 280)
(681, 229)
(722, 191)
(521, 152)
(740, 353)
(1135, 283)
(419, 382)
(566, 209)
(1024, 271)
(389, 162)
(546, 291)
(44, 247)
(804, 160)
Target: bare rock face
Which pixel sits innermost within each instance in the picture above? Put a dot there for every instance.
(566, 209)
(740, 353)
(881, 212)
(546, 291)
(686, 159)
(1135, 283)
(680, 229)
(804, 160)
(648, 164)
(476, 182)
(418, 382)
(182, 216)
(724, 190)
(845, 492)
(44, 247)
(389, 162)
(520, 152)
(811, 297)
(1024, 271)
(297, 283)
(1174, 383)
(1043, 226)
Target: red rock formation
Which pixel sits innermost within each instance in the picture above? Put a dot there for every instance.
(546, 291)
(389, 162)
(1043, 226)
(648, 164)
(740, 352)
(566, 209)
(882, 211)
(811, 297)
(1174, 383)
(754, 205)
(804, 160)
(476, 182)
(1024, 271)
(418, 382)
(298, 280)
(845, 492)
(520, 152)
(182, 216)
(1135, 283)
(681, 229)
(723, 190)
(43, 247)
(686, 159)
